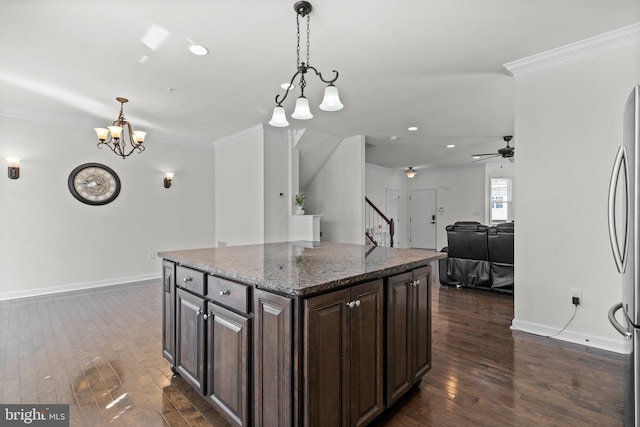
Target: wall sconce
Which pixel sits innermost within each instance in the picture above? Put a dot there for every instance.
(168, 179)
(14, 167)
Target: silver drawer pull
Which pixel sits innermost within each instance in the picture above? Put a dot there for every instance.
(187, 279)
(223, 293)
(205, 316)
(357, 303)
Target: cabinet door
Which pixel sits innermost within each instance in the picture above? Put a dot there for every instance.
(168, 310)
(189, 357)
(326, 361)
(228, 363)
(366, 352)
(422, 323)
(399, 336)
(273, 369)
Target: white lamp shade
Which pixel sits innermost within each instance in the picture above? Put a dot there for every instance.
(102, 133)
(13, 162)
(138, 136)
(302, 111)
(279, 118)
(115, 131)
(331, 100)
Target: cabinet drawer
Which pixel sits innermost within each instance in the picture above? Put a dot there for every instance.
(192, 280)
(231, 294)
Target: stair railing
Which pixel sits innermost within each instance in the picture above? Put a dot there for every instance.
(379, 229)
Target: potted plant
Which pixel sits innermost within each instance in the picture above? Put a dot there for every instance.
(300, 203)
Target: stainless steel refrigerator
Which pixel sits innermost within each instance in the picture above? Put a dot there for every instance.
(624, 225)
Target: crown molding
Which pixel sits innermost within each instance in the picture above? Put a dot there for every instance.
(591, 46)
(240, 136)
(384, 169)
(23, 113)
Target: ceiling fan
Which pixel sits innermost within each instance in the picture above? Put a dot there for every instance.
(506, 152)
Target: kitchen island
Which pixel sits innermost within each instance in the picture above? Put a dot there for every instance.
(294, 333)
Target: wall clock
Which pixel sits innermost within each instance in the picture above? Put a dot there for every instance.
(94, 184)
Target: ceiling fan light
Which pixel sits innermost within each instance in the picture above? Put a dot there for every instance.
(279, 118)
(331, 100)
(302, 111)
(410, 172)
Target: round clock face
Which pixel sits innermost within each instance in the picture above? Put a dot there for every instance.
(94, 184)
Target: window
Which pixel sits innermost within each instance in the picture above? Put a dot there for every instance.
(501, 200)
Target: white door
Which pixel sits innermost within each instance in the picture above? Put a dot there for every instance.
(391, 209)
(422, 219)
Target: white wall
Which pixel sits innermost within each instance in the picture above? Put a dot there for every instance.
(239, 188)
(276, 181)
(377, 180)
(460, 192)
(50, 242)
(337, 193)
(568, 126)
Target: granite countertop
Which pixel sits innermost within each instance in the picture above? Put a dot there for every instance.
(299, 268)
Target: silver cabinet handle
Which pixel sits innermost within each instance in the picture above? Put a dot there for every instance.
(187, 279)
(205, 316)
(417, 282)
(620, 258)
(357, 303)
(351, 304)
(223, 293)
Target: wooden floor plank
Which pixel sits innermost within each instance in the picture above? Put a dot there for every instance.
(99, 350)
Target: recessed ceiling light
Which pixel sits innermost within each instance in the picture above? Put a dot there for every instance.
(450, 146)
(199, 50)
(393, 137)
(412, 128)
(287, 85)
(476, 157)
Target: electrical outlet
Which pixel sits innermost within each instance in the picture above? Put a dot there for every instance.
(576, 296)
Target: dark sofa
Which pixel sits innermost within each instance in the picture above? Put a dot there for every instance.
(479, 256)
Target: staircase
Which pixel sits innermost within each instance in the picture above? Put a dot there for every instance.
(378, 229)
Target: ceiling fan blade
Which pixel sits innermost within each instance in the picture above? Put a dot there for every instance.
(486, 154)
(486, 158)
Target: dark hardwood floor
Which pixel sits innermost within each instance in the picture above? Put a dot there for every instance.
(100, 352)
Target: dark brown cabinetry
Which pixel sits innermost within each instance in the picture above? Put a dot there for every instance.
(211, 326)
(264, 358)
(168, 310)
(343, 356)
(272, 349)
(228, 362)
(190, 336)
(408, 330)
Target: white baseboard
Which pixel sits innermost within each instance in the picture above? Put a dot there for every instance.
(622, 345)
(76, 287)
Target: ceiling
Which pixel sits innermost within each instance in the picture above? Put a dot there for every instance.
(437, 65)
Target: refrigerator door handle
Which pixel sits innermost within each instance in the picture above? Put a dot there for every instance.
(620, 258)
(615, 323)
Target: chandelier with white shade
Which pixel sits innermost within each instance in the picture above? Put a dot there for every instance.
(331, 100)
(114, 136)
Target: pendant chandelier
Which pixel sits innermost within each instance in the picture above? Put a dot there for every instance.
(114, 136)
(331, 100)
